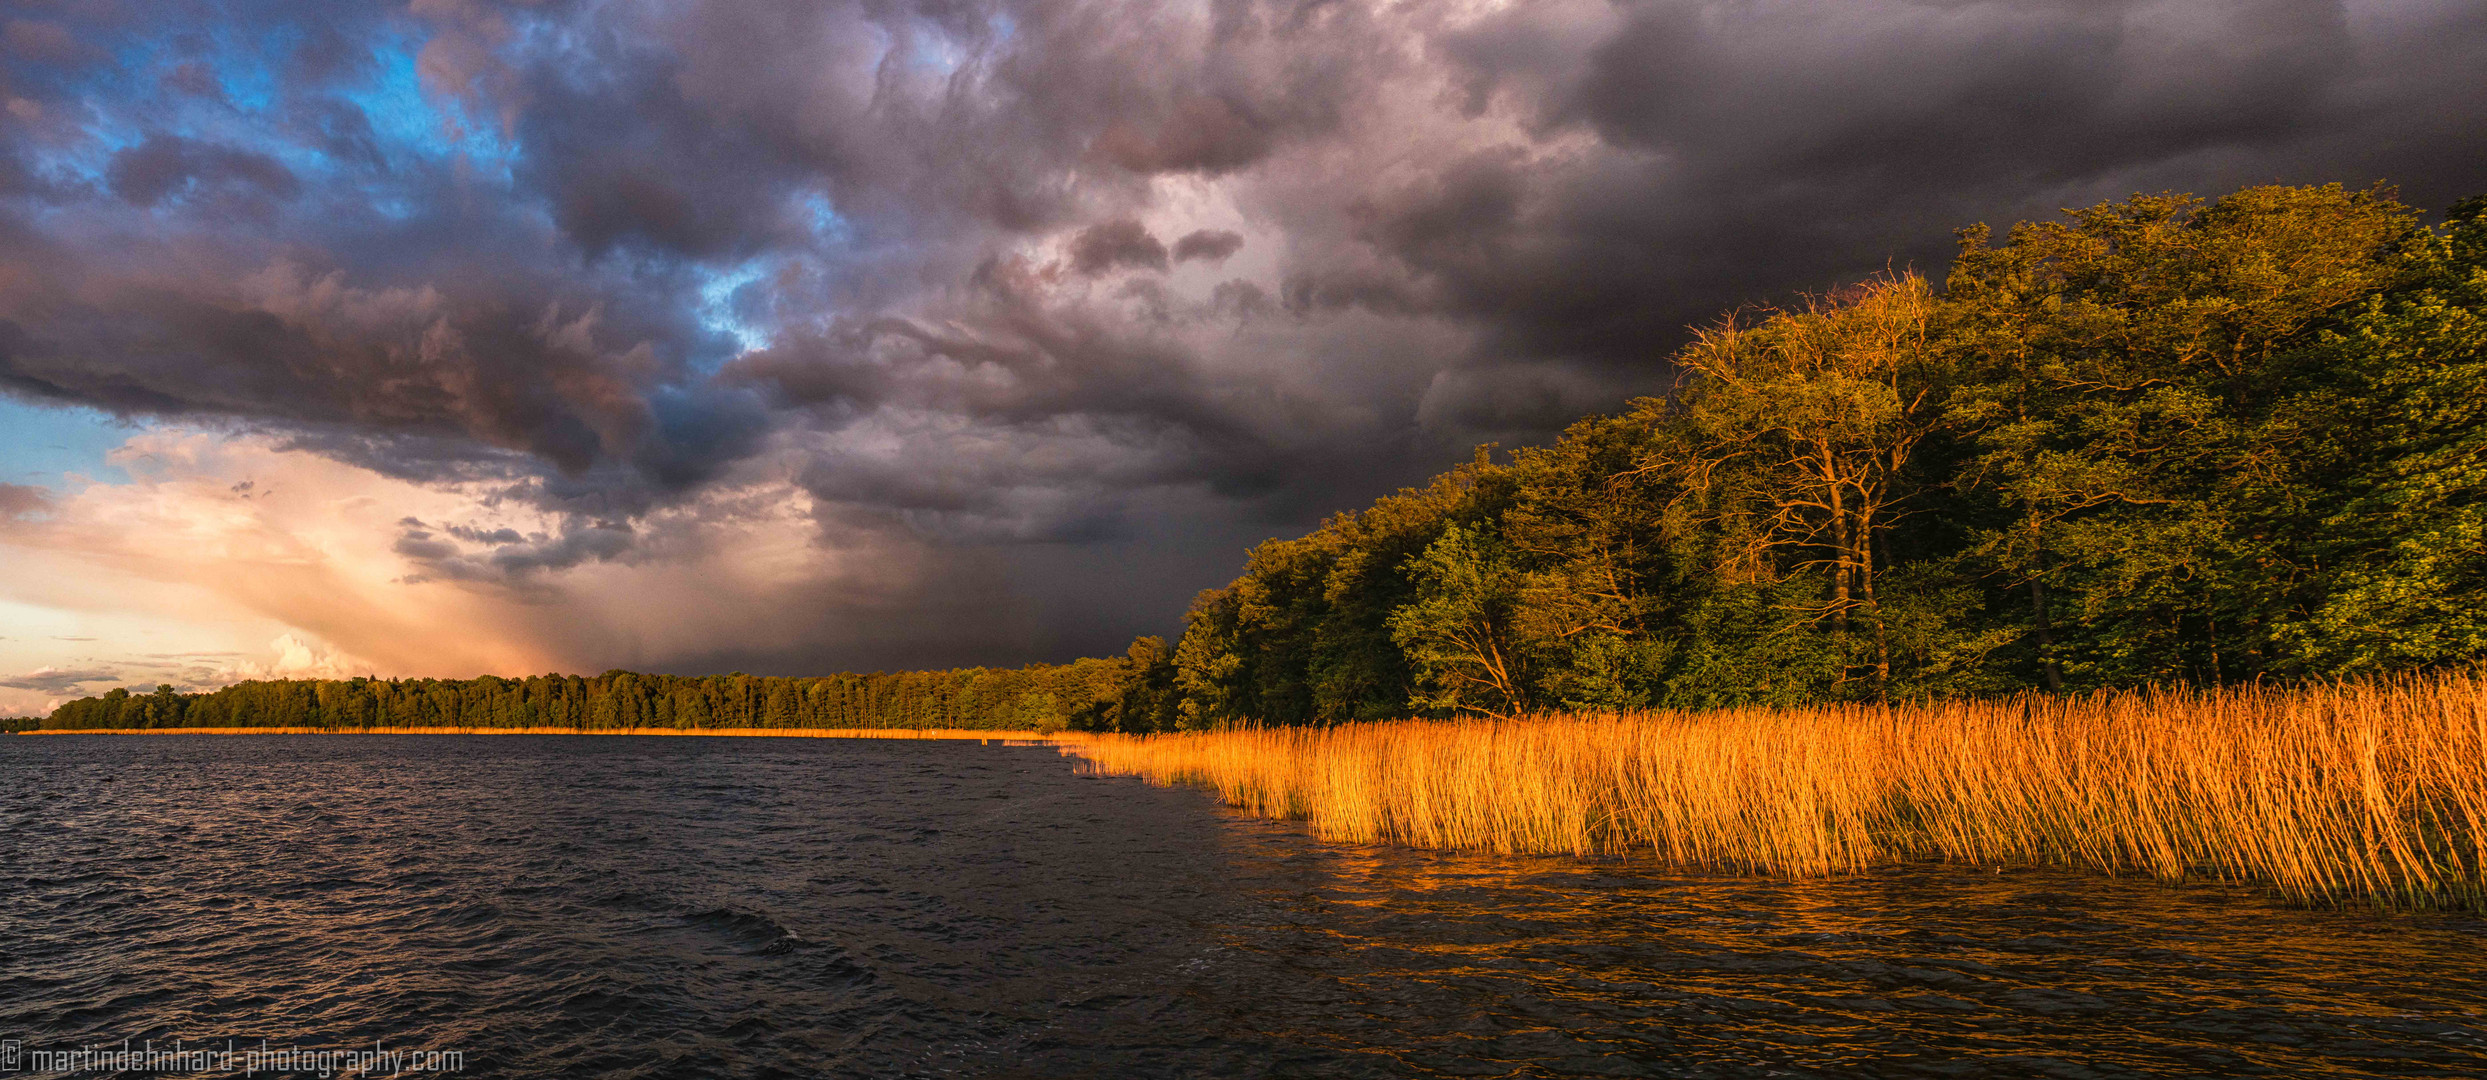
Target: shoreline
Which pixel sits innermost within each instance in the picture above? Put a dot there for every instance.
(2370, 792)
(784, 733)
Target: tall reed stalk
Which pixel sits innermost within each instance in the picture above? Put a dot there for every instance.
(2372, 792)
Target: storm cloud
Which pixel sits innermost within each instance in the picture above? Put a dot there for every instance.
(1048, 309)
(57, 681)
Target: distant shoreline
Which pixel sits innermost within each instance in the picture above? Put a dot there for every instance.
(792, 733)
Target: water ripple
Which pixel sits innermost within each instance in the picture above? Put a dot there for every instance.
(576, 907)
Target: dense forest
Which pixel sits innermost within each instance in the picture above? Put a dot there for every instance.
(1094, 694)
(2163, 440)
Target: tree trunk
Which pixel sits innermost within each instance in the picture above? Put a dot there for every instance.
(1873, 608)
(2210, 626)
(1840, 569)
(2046, 639)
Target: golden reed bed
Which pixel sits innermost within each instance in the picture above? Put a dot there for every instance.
(2354, 793)
(789, 733)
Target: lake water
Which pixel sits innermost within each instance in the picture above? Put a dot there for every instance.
(724, 907)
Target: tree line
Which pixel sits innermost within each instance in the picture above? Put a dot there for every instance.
(1088, 693)
(2161, 440)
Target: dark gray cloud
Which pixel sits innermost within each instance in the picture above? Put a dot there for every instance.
(166, 166)
(504, 556)
(60, 680)
(1115, 245)
(1009, 282)
(1211, 245)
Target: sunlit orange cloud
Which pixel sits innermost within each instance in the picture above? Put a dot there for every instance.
(227, 558)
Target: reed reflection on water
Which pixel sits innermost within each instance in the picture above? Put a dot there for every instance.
(750, 907)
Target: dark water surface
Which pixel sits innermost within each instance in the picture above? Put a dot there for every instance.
(695, 907)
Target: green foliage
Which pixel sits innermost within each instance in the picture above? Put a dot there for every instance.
(2135, 397)
(1457, 629)
(2403, 525)
(1304, 635)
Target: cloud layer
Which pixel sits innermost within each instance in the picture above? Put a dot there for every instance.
(995, 330)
